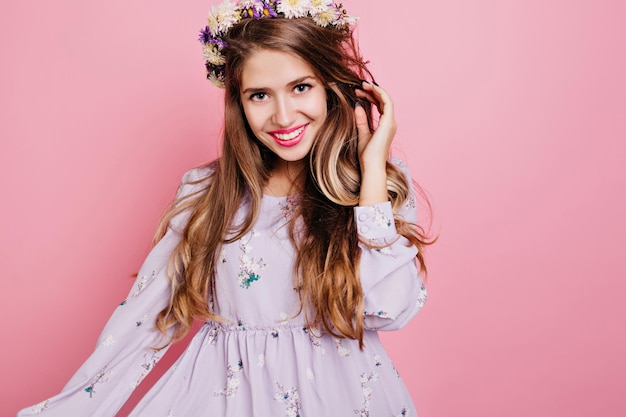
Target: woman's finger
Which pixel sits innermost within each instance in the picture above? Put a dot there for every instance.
(379, 97)
(362, 127)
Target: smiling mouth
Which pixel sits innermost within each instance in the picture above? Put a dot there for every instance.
(289, 135)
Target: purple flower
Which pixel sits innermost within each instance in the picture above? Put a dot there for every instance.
(205, 35)
(269, 9)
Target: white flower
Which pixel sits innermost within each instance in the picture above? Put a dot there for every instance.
(294, 8)
(216, 81)
(326, 17)
(222, 17)
(309, 373)
(261, 360)
(251, 4)
(345, 20)
(212, 54)
(321, 5)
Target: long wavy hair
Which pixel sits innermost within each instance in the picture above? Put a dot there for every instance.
(327, 262)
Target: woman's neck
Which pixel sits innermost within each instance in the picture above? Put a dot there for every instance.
(285, 179)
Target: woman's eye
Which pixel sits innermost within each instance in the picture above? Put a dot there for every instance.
(301, 88)
(260, 96)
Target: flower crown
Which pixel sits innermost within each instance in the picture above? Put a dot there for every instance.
(224, 16)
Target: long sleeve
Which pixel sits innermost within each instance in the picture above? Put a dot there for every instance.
(393, 290)
(128, 347)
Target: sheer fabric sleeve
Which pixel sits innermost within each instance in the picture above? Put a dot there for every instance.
(128, 347)
(393, 290)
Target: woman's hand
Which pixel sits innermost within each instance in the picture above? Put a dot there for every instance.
(373, 147)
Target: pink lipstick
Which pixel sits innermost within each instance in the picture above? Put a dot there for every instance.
(289, 137)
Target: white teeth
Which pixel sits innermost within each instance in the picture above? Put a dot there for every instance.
(289, 136)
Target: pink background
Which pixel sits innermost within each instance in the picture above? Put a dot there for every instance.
(512, 115)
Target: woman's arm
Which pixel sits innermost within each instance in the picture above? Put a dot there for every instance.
(393, 290)
(127, 350)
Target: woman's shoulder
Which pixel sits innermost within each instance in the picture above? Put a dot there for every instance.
(196, 179)
(200, 173)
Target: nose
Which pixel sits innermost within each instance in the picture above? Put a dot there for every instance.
(284, 112)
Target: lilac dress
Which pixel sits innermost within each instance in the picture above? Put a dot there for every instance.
(263, 361)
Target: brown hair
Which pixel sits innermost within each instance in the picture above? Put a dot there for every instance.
(327, 263)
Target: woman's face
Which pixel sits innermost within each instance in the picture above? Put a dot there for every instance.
(283, 101)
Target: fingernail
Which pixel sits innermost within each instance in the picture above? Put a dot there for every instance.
(357, 104)
(375, 83)
(365, 81)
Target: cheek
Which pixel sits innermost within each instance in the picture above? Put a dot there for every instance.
(323, 106)
(254, 117)
(317, 108)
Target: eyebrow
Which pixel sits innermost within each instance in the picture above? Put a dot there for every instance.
(290, 84)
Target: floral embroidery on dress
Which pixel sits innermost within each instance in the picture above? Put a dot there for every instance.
(385, 251)
(232, 382)
(249, 270)
(141, 285)
(142, 320)
(341, 349)
(250, 267)
(315, 340)
(404, 412)
(422, 297)
(379, 218)
(377, 361)
(261, 362)
(381, 246)
(410, 202)
(170, 414)
(148, 364)
(38, 408)
(102, 376)
(108, 341)
(241, 324)
(275, 333)
(289, 206)
(212, 336)
(290, 398)
(380, 313)
(367, 393)
(309, 374)
(143, 282)
(399, 162)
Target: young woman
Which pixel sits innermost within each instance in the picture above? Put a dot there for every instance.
(295, 247)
